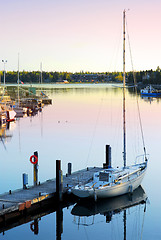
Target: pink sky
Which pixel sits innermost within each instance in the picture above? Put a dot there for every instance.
(70, 35)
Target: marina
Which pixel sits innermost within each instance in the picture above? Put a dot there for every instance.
(80, 120)
(12, 108)
(79, 138)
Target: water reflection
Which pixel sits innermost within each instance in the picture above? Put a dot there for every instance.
(85, 211)
(59, 222)
(151, 99)
(6, 130)
(34, 226)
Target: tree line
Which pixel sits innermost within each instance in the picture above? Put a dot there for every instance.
(145, 77)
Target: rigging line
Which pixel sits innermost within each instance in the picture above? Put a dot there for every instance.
(135, 84)
(114, 59)
(94, 131)
(3, 143)
(19, 135)
(86, 233)
(143, 222)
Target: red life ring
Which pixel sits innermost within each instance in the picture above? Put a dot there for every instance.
(35, 159)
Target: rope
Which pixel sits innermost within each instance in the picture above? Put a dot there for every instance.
(143, 222)
(94, 131)
(135, 84)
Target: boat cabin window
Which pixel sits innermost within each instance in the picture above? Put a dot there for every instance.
(103, 176)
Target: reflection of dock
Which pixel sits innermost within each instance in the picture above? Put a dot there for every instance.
(34, 215)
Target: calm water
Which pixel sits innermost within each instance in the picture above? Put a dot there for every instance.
(75, 128)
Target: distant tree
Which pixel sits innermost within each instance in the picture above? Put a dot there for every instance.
(119, 77)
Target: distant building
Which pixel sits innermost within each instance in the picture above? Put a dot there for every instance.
(146, 77)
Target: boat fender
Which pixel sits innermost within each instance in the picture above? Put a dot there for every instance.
(95, 196)
(130, 189)
(33, 159)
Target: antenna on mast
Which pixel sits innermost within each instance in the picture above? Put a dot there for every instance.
(18, 81)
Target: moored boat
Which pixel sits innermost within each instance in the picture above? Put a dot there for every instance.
(112, 182)
(149, 91)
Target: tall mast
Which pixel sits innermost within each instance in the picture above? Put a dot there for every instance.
(18, 82)
(124, 122)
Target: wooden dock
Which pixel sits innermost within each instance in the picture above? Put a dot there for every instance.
(20, 202)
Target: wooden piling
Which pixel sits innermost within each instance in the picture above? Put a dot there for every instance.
(59, 187)
(25, 180)
(108, 157)
(69, 168)
(35, 168)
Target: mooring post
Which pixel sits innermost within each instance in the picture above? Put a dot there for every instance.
(59, 181)
(36, 170)
(69, 168)
(108, 157)
(25, 180)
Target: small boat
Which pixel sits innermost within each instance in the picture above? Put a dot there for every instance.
(10, 115)
(2, 118)
(31, 103)
(7, 113)
(20, 111)
(149, 91)
(111, 182)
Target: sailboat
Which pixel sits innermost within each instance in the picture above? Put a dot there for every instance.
(111, 182)
(20, 111)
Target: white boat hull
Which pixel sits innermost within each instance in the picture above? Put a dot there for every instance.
(111, 191)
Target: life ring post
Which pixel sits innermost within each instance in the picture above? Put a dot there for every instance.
(35, 170)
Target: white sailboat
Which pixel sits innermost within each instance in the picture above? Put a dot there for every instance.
(112, 182)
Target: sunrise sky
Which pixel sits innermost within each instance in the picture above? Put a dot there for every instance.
(79, 35)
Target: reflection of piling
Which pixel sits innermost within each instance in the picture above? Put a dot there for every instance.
(59, 181)
(59, 222)
(36, 170)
